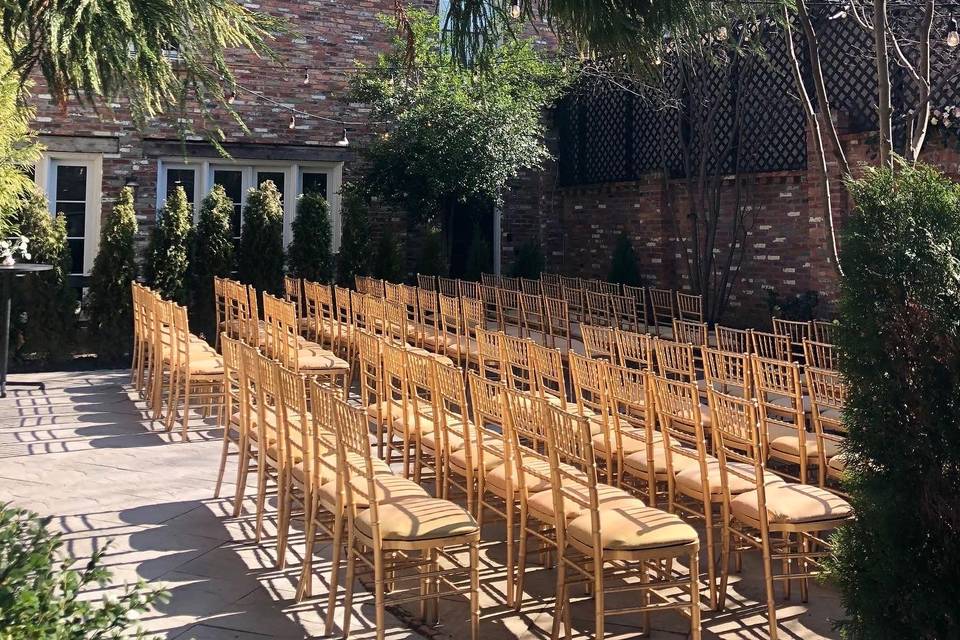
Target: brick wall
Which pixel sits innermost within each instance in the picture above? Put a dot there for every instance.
(787, 248)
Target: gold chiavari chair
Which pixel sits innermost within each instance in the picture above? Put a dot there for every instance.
(533, 317)
(285, 345)
(448, 287)
(771, 345)
(508, 282)
(599, 309)
(787, 522)
(393, 531)
(568, 282)
(269, 438)
(576, 305)
(732, 340)
(431, 336)
(550, 279)
(589, 383)
(796, 331)
(321, 311)
(472, 313)
(828, 395)
(518, 364)
(508, 312)
(429, 438)
(783, 414)
(823, 331)
(624, 313)
(631, 407)
(559, 333)
(219, 308)
(232, 418)
(196, 371)
(490, 355)
(376, 287)
(549, 380)
(254, 327)
(609, 288)
(409, 297)
(400, 422)
(392, 292)
(491, 306)
(375, 314)
(728, 372)
(427, 282)
(452, 335)
(639, 297)
(599, 342)
(695, 333)
(249, 442)
(141, 335)
(489, 280)
(469, 289)
(662, 304)
(293, 292)
(634, 350)
(613, 539)
(344, 340)
(591, 284)
(360, 283)
(531, 287)
(676, 360)
(380, 409)
(820, 355)
(689, 307)
(453, 429)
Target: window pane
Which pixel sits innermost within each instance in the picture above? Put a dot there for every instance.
(71, 182)
(232, 183)
(181, 178)
(276, 176)
(315, 183)
(75, 223)
(76, 256)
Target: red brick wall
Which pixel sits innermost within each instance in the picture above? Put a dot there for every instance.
(787, 247)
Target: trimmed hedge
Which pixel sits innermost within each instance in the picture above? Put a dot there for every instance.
(212, 255)
(310, 255)
(169, 251)
(260, 259)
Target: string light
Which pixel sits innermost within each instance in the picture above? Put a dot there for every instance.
(953, 38)
(306, 77)
(293, 122)
(231, 97)
(343, 142)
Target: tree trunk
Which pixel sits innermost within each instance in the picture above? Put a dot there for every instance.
(884, 107)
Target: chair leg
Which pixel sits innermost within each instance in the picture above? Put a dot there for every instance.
(348, 584)
(598, 599)
(474, 590)
(508, 510)
(224, 452)
(284, 507)
(261, 495)
(339, 520)
(711, 564)
(771, 596)
(379, 580)
(521, 559)
(695, 597)
(305, 588)
(243, 470)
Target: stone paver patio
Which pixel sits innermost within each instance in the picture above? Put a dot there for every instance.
(83, 453)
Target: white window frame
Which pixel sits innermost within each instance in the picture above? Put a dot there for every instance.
(293, 177)
(45, 178)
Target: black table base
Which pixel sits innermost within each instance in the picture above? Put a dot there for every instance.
(7, 273)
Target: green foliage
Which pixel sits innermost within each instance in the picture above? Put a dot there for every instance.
(43, 318)
(310, 254)
(41, 591)
(433, 254)
(354, 258)
(18, 149)
(109, 305)
(801, 307)
(168, 253)
(623, 264)
(211, 255)
(453, 135)
(899, 336)
(388, 261)
(260, 260)
(529, 261)
(95, 50)
(479, 255)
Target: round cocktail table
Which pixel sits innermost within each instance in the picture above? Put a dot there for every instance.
(7, 274)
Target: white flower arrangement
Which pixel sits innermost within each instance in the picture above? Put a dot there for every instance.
(10, 248)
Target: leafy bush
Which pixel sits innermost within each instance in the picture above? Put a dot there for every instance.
(212, 255)
(529, 261)
(310, 254)
(41, 592)
(899, 335)
(355, 254)
(260, 262)
(168, 253)
(433, 254)
(44, 318)
(479, 255)
(109, 304)
(388, 263)
(623, 264)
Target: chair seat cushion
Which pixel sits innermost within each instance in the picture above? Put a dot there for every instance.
(636, 463)
(629, 444)
(541, 504)
(317, 358)
(419, 518)
(786, 440)
(388, 486)
(792, 504)
(634, 527)
(207, 366)
(458, 459)
(838, 463)
(689, 478)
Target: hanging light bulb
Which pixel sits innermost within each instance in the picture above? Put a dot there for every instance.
(293, 122)
(515, 9)
(231, 97)
(306, 77)
(953, 37)
(343, 142)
